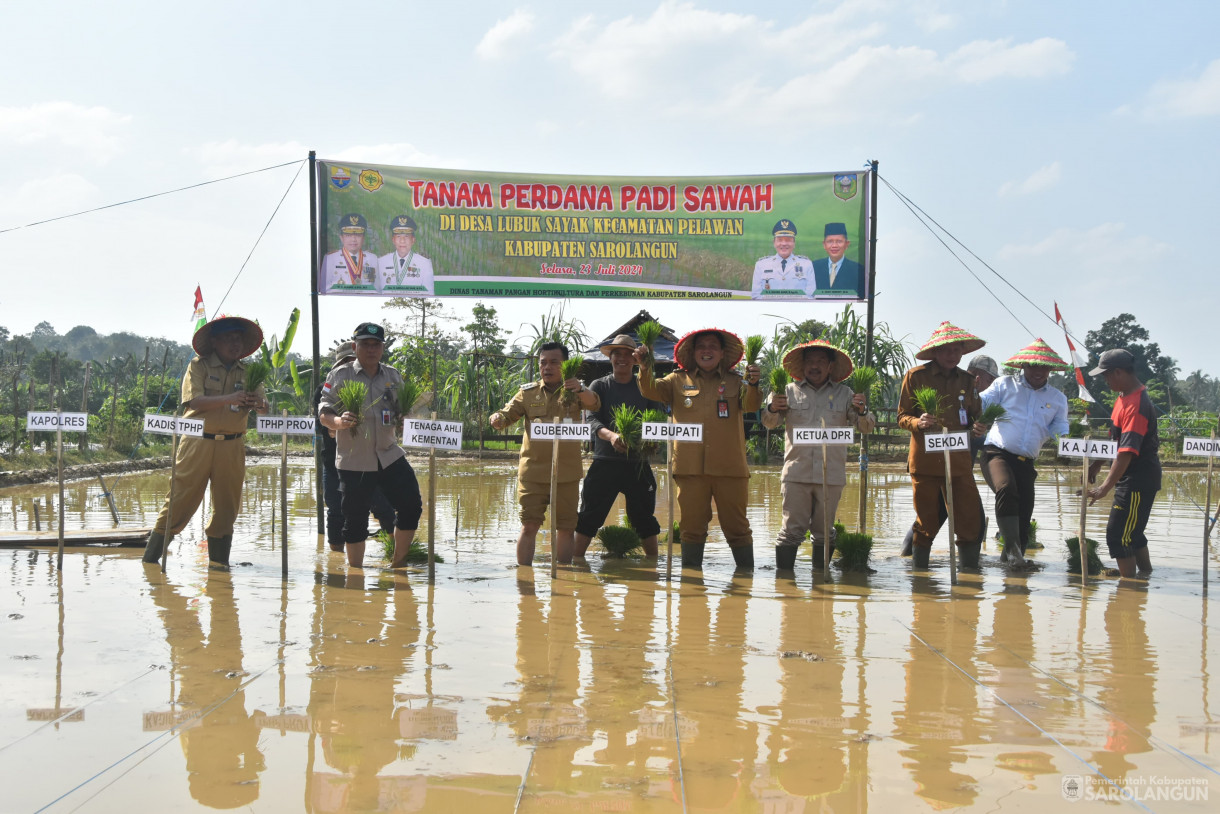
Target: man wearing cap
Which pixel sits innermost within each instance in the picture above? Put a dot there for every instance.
(367, 452)
(351, 268)
(615, 468)
(836, 275)
(783, 274)
(707, 390)
(344, 354)
(815, 394)
(1034, 411)
(957, 412)
(1135, 475)
(404, 272)
(985, 371)
(542, 401)
(213, 390)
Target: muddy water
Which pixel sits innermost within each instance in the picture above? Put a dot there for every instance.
(494, 689)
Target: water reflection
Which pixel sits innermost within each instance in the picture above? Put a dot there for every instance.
(1129, 684)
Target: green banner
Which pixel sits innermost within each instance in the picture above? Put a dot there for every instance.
(414, 232)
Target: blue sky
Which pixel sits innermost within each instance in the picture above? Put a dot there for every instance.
(1070, 145)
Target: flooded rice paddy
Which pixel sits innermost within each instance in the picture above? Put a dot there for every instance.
(497, 689)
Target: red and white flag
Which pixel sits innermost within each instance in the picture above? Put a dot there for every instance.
(1079, 361)
(200, 316)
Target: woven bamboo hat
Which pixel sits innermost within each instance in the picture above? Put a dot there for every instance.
(251, 334)
(621, 341)
(734, 349)
(946, 334)
(840, 369)
(1037, 354)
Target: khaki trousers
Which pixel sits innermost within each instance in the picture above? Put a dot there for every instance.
(200, 461)
(806, 505)
(695, 496)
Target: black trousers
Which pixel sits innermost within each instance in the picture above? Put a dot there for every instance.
(1012, 478)
(604, 481)
(397, 482)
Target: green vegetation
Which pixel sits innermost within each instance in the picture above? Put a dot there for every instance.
(1073, 556)
(778, 380)
(862, 379)
(256, 375)
(854, 549)
(570, 369)
(754, 346)
(352, 395)
(993, 413)
(417, 552)
(408, 393)
(927, 400)
(648, 333)
(619, 541)
(628, 423)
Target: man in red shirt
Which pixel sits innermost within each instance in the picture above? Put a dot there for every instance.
(1135, 475)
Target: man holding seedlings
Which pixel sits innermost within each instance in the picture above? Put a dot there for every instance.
(935, 396)
(1033, 412)
(543, 401)
(816, 393)
(360, 403)
(707, 390)
(619, 465)
(213, 389)
(1135, 475)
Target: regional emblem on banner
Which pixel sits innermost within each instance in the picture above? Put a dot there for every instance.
(845, 187)
(340, 177)
(371, 180)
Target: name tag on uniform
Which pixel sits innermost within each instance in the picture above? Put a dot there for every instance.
(722, 408)
(387, 417)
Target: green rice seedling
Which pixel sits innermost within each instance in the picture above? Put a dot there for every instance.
(618, 541)
(628, 423)
(651, 416)
(408, 393)
(1033, 536)
(256, 375)
(862, 379)
(779, 380)
(1073, 556)
(928, 401)
(648, 333)
(754, 346)
(993, 413)
(854, 550)
(570, 369)
(416, 552)
(352, 396)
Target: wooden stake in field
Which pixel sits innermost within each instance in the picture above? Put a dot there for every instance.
(1084, 509)
(59, 466)
(949, 508)
(284, 497)
(173, 470)
(1207, 525)
(826, 543)
(669, 486)
(554, 497)
(432, 510)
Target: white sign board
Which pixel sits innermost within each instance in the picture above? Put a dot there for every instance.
(50, 422)
(1201, 446)
(1080, 447)
(559, 432)
(423, 432)
(164, 425)
(942, 441)
(286, 425)
(656, 431)
(823, 435)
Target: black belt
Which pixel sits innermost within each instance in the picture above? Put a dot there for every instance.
(221, 437)
(1001, 451)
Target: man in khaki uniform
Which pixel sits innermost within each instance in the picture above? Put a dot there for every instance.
(816, 394)
(367, 453)
(707, 390)
(959, 410)
(212, 390)
(540, 401)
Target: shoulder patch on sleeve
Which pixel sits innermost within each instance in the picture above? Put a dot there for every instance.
(529, 385)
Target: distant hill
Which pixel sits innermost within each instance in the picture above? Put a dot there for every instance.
(84, 344)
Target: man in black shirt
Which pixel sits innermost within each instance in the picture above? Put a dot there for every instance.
(615, 469)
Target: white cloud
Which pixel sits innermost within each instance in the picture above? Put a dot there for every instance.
(985, 60)
(96, 132)
(230, 157)
(1108, 248)
(399, 154)
(46, 197)
(1042, 179)
(833, 60)
(500, 39)
(1187, 97)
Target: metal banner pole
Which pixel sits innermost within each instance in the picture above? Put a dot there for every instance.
(432, 510)
(554, 497)
(949, 508)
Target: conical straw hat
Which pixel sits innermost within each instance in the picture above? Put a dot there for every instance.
(946, 334)
(794, 360)
(734, 349)
(1037, 353)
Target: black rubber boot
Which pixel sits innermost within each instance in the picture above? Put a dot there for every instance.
(920, 556)
(908, 542)
(218, 549)
(692, 555)
(1010, 529)
(154, 546)
(968, 556)
(785, 558)
(743, 557)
